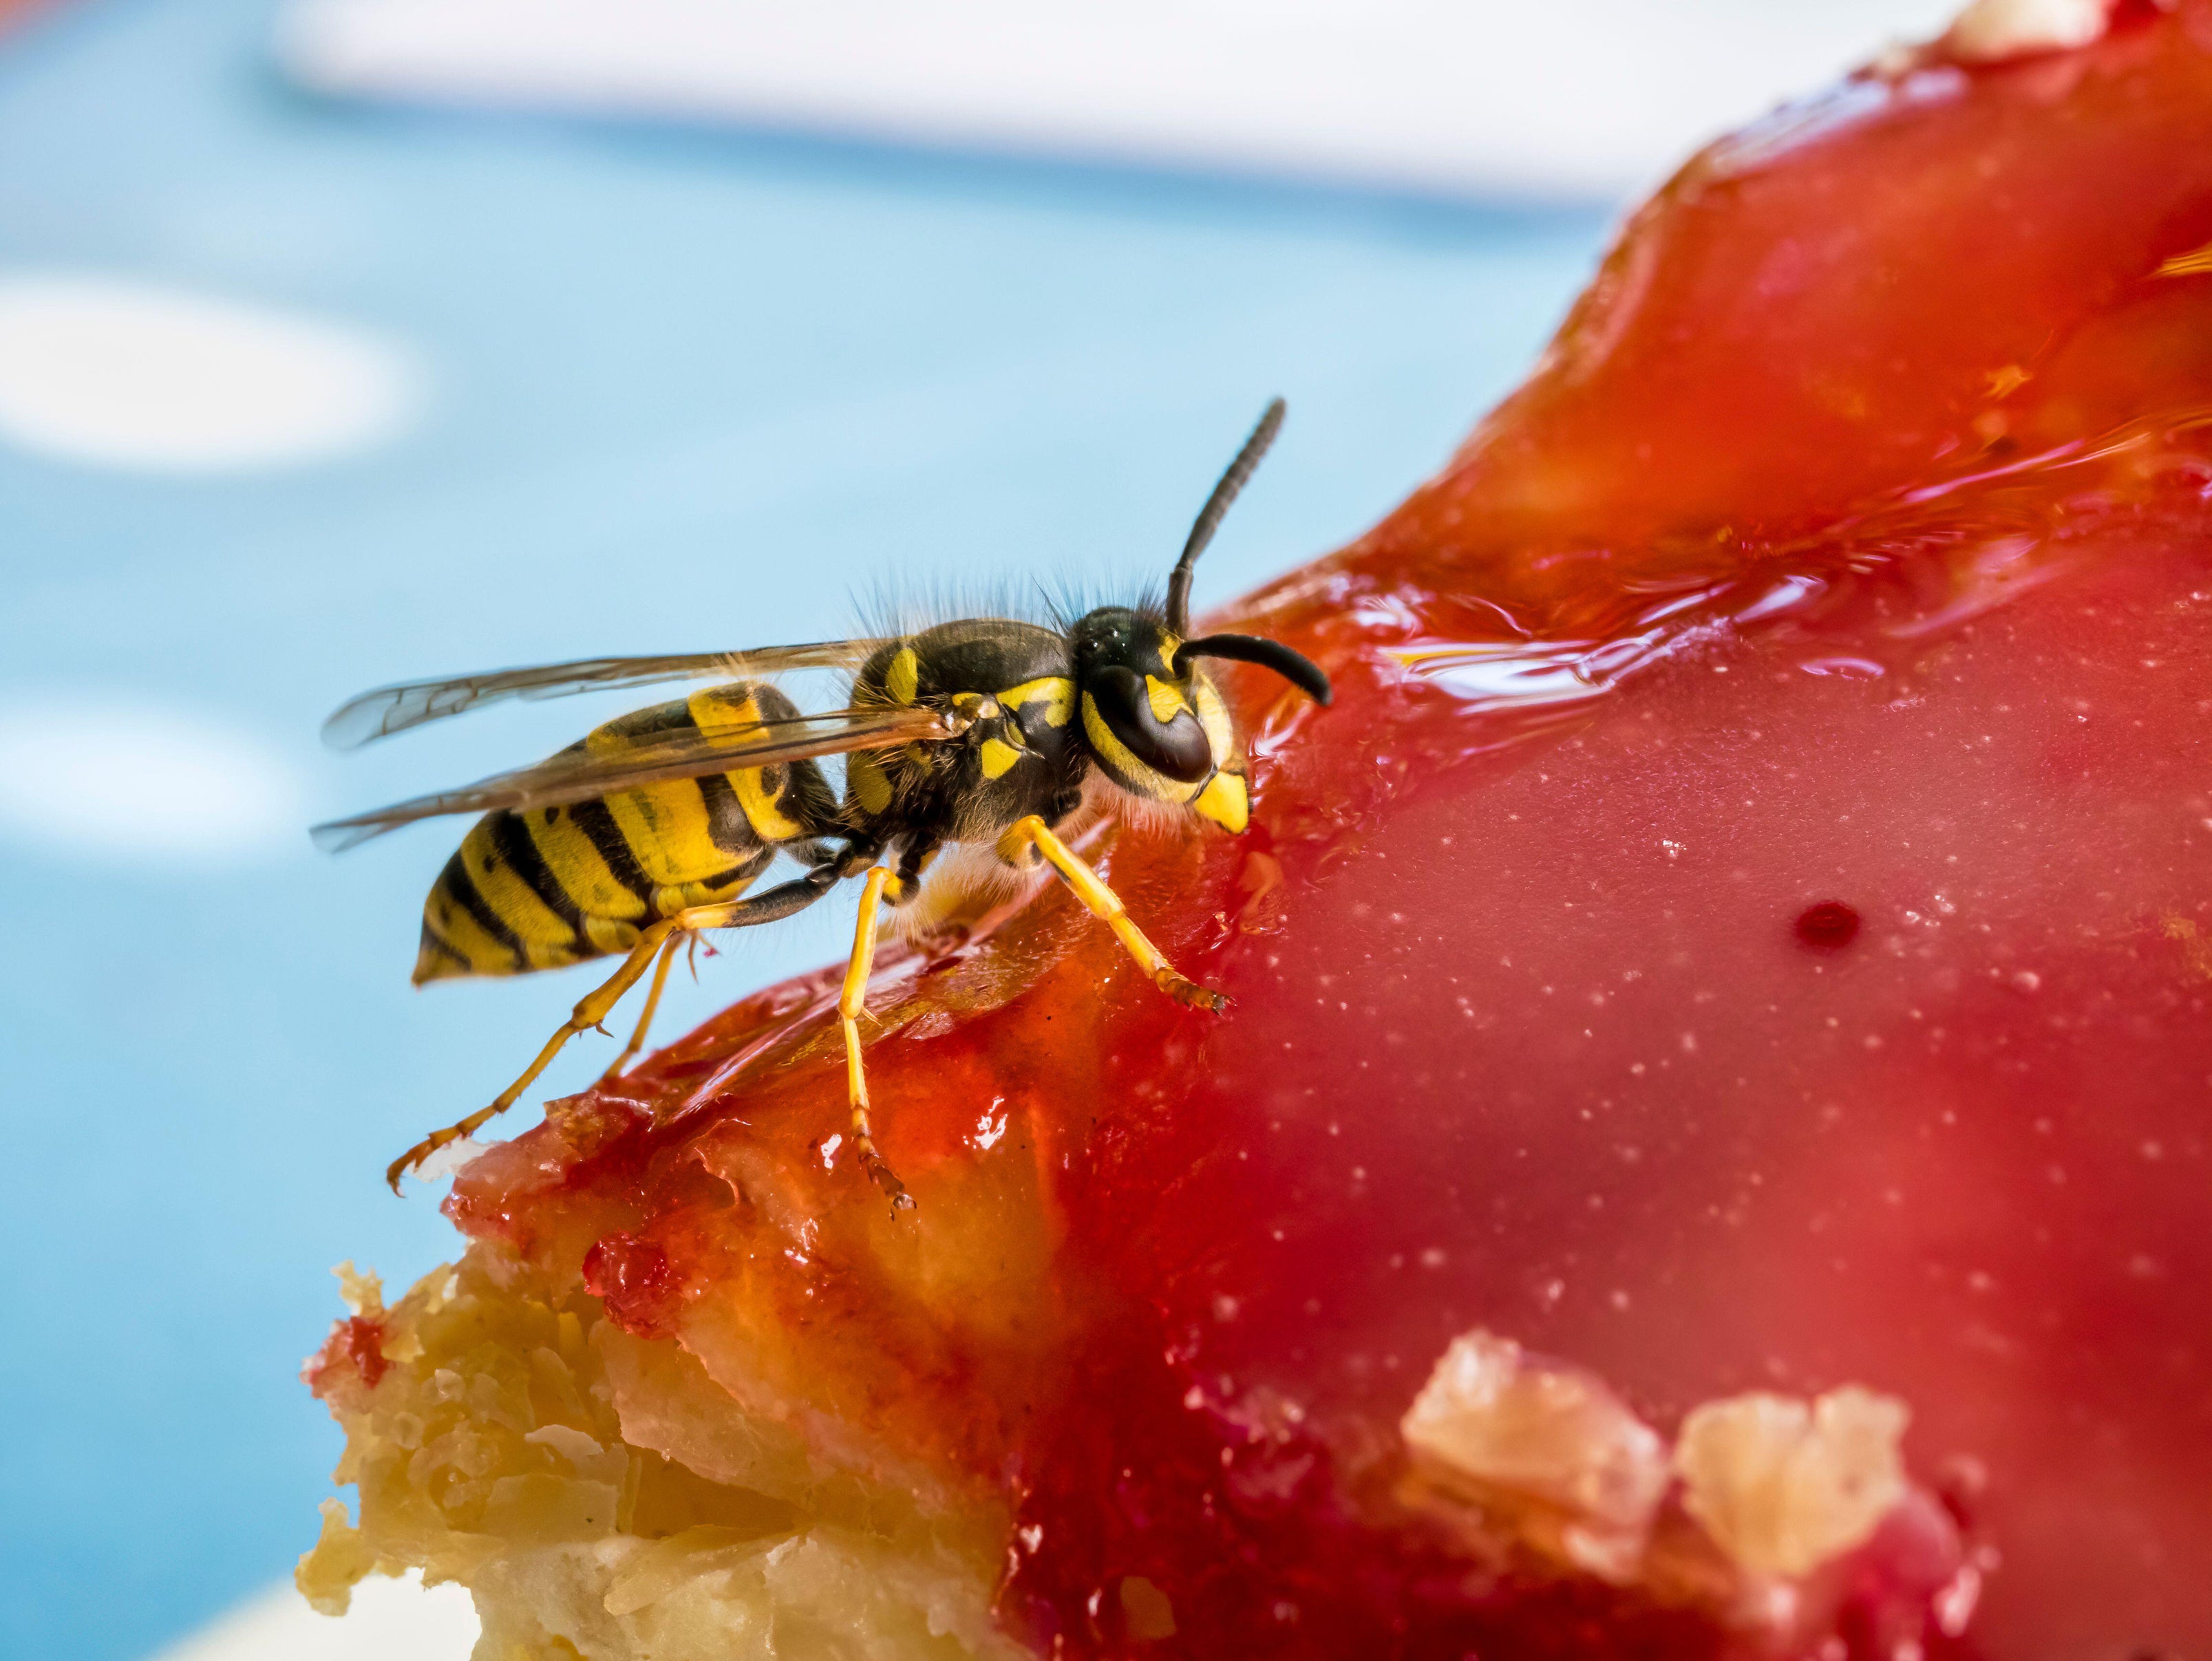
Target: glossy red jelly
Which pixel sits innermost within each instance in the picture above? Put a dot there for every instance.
(361, 1341)
(1849, 554)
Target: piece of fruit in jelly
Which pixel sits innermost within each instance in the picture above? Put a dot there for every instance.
(1736, 961)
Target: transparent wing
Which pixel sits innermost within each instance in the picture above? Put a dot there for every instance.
(387, 710)
(582, 775)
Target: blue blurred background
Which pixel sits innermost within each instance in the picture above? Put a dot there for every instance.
(557, 387)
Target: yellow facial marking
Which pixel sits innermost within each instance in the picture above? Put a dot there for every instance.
(1213, 716)
(997, 757)
(1225, 801)
(1116, 754)
(903, 678)
(1165, 698)
(1055, 691)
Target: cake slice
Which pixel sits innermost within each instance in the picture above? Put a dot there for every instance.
(1708, 1154)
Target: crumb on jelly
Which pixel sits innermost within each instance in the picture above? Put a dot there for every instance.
(1546, 1439)
(1992, 31)
(1783, 1485)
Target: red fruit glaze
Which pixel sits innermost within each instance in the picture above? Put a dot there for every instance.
(362, 1341)
(1850, 545)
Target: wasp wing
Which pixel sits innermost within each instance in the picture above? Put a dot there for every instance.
(579, 774)
(387, 710)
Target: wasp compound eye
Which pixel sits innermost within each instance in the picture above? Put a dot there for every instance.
(1178, 748)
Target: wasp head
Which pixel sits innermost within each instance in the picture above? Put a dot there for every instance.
(1152, 718)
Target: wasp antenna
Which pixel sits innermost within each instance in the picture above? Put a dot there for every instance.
(1209, 517)
(1300, 671)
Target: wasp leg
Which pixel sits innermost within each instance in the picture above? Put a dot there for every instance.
(778, 902)
(1032, 833)
(589, 1013)
(916, 861)
(850, 1003)
(652, 1000)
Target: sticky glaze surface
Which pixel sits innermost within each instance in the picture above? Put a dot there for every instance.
(1849, 549)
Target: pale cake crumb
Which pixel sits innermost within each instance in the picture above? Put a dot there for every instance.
(1543, 1459)
(362, 1294)
(1513, 1427)
(513, 1440)
(1783, 1486)
(1991, 31)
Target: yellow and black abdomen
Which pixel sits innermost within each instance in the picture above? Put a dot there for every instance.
(553, 886)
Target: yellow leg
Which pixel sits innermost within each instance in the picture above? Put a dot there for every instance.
(1104, 903)
(651, 1003)
(850, 1003)
(589, 1013)
(599, 1003)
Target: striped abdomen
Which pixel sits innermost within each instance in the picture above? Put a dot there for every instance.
(553, 886)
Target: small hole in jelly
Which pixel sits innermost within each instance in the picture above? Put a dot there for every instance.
(1828, 925)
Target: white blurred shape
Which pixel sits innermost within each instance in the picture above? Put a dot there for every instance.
(101, 778)
(132, 375)
(1990, 31)
(1577, 96)
(389, 1621)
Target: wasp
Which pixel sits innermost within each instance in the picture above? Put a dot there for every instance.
(986, 736)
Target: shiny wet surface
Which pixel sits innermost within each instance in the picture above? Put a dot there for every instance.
(677, 393)
(1887, 590)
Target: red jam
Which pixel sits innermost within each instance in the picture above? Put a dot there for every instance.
(362, 1340)
(1745, 924)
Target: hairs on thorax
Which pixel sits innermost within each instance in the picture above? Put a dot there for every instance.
(902, 604)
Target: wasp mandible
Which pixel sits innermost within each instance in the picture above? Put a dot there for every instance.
(984, 733)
